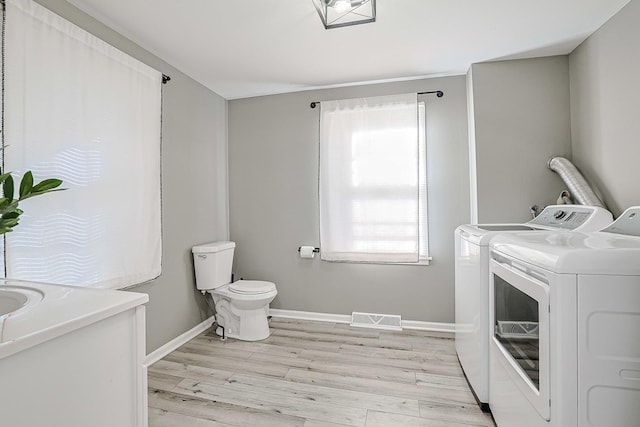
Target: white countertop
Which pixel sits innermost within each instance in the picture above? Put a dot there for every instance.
(55, 310)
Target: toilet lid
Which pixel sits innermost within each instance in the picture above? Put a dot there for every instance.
(251, 287)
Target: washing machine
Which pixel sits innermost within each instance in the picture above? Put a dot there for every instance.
(564, 310)
(472, 282)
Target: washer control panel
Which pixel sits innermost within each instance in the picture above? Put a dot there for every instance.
(559, 214)
(572, 217)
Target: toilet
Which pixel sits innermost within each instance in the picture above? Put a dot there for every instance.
(242, 307)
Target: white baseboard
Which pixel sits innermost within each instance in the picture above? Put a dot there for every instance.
(346, 318)
(429, 326)
(309, 315)
(161, 352)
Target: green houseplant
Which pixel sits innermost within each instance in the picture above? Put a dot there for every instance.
(9, 210)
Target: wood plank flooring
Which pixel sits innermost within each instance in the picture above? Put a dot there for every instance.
(314, 374)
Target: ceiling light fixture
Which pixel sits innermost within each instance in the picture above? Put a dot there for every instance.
(343, 13)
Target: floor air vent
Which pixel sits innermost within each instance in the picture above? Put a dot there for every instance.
(378, 321)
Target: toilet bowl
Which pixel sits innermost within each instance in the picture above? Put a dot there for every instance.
(242, 307)
(245, 315)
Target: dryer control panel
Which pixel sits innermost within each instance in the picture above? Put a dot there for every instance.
(572, 217)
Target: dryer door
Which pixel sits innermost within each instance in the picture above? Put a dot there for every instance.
(519, 305)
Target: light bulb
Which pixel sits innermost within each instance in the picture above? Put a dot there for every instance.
(341, 5)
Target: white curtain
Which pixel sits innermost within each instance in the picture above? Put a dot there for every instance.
(80, 110)
(369, 180)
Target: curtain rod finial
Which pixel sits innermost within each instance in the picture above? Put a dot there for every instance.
(438, 93)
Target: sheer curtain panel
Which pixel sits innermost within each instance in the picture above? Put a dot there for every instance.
(369, 180)
(80, 110)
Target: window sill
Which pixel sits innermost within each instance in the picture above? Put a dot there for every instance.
(421, 263)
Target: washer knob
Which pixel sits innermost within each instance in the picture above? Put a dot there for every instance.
(559, 214)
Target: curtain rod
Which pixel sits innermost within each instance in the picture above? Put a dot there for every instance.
(438, 93)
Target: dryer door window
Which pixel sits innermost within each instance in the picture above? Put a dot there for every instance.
(517, 326)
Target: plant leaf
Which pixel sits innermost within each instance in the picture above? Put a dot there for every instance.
(4, 176)
(26, 184)
(46, 185)
(11, 207)
(13, 214)
(8, 222)
(7, 187)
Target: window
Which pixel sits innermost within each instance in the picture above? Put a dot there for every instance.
(373, 202)
(80, 110)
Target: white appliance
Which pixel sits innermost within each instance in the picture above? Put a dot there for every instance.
(565, 317)
(242, 307)
(472, 282)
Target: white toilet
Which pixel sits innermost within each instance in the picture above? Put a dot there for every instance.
(242, 307)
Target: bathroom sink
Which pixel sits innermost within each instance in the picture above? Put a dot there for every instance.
(11, 301)
(13, 298)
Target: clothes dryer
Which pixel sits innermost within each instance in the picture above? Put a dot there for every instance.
(472, 282)
(564, 309)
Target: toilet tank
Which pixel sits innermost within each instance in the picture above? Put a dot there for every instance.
(213, 262)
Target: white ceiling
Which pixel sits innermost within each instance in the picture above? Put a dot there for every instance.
(243, 48)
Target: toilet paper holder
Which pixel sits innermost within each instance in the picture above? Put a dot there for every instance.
(316, 250)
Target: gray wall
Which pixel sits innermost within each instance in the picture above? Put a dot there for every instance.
(194, 187)
(273, 181)
(605, 108)
(521, 119)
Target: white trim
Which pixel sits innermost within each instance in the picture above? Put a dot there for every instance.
(346, 318)
(309, 315)
(296, 89)
(429, 326)
(161, 352)
(423, 262)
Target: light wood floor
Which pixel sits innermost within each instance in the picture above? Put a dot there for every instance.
(314, 374)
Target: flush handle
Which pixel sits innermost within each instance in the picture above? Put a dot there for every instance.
(202, 256)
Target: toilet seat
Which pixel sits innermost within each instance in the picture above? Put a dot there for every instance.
(251, 287)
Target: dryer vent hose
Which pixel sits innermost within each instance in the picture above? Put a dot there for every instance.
(575, 182)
